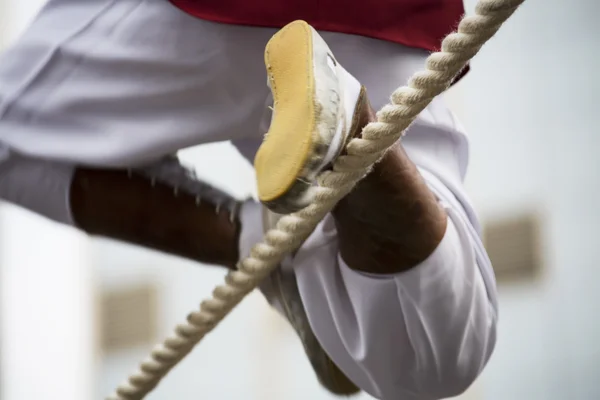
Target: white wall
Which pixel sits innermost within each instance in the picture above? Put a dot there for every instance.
(46, 310)
(530, 107)
(46, 291)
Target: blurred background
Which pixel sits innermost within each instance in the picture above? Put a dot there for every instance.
(76, 315)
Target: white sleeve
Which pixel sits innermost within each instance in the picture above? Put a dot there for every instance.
(423, 334)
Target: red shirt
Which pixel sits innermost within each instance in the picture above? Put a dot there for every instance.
(414, 23)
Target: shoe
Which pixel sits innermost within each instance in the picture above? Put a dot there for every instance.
(315, 100)
(281, 290)
(318, 108)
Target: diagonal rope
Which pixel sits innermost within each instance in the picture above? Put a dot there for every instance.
(291, 231)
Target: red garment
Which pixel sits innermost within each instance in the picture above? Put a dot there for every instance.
(414, 23)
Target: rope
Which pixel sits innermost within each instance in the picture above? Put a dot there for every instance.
(291, 231)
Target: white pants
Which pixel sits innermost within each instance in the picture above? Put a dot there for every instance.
(118, 83)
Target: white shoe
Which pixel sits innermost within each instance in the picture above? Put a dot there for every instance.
(314, 107)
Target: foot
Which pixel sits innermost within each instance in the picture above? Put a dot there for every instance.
(281, 290)
(314, 106)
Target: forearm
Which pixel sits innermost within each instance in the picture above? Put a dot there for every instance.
(391, 221)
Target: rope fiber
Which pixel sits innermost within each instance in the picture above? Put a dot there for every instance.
(291, 231)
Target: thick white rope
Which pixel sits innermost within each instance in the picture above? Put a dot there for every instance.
(407, 102)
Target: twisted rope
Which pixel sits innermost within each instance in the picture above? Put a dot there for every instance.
(291, 231)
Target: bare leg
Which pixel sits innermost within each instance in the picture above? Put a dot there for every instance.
(138, 209)
(391, 221)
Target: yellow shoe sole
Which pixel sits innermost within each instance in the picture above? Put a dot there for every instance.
(307, 116)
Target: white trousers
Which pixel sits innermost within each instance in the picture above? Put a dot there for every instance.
(119, 83)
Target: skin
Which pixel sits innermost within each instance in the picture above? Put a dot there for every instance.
(391, 221)
(115, 204)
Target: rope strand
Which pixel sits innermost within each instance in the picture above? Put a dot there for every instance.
(393, 119)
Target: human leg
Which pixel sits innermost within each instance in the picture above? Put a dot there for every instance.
(391, 221)
(91, 103)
